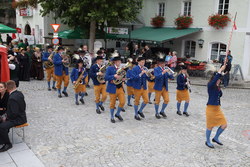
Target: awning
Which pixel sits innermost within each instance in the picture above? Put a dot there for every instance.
(158, 34)
(79, 33)
(6, 29)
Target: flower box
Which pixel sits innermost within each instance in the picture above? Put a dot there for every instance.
(158, 21)
(218, 21)
(183, 22)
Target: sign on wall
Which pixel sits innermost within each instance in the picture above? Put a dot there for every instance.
(116, 30)
(25, 12)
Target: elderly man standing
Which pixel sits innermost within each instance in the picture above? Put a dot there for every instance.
(15, 115)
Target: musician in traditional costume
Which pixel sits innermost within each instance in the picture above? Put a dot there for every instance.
(214, 115)
(129, 83)
(99, 87)
(182, 93)
(115, 91)
(77, 77)
(49, 67)
(140, 87)
(162, 75)
(61, 72)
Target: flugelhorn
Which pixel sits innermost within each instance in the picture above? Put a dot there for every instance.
(171, 72)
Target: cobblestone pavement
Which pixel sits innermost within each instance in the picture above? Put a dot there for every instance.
(62, 134)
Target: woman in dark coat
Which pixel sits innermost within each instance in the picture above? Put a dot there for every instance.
(23, 60)
(36, 70)
(4, 96)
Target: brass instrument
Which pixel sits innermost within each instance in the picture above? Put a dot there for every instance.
(171, 72)
(66, 58)
(100, 78)
(149, 73)
(49, 64)
(79, 80)
(189, 85)
(122, 72)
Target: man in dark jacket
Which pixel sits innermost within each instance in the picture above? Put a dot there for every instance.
(15, 115)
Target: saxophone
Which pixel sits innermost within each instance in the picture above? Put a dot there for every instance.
(100, 78)
(79, 80)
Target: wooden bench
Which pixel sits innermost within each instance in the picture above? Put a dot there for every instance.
(22, 127)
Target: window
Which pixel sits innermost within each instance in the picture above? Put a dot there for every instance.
(161, 11)
(216, 49)
(223, 6)
(187, 8)
(190, 47)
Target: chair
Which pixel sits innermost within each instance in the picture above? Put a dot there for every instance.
(19, 126)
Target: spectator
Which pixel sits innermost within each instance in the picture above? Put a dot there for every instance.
(89, 57)
(14, 69)
(173, 61)
(36, 70)
(126, 54)
(168, 58)
(26, 42)
(24, 65)
(15, 115)
(228, 59)
(21, 45)
(8, 39)
(4, 96)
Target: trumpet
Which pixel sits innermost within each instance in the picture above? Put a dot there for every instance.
(149, 73)
(171, 72)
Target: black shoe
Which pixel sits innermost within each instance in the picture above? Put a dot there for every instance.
(101, 107)
(86, 94)
(88, 86)
(60, 96)
(157, 116)
(217, 142)
(141, 114)
(77, 103)
(179, 113)
(185, 113)
(49, 89)
(82, 101)
(112, 120)
(137, 118)
(65, 94)
(119, 117)
(98, 111)
(129, 105)
(122, 110)
(150, 102)
(209, 145)
(5, 147)
(163, 114)
(54, 88)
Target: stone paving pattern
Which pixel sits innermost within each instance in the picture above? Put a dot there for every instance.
(62, 134)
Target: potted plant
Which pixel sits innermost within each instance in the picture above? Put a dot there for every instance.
(183, 22)
(218, 21)
(25, 3)
(157, 21)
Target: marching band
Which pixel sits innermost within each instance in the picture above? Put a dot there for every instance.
(140, 82)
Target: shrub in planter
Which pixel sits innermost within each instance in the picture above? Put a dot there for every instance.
(183, 22)
(218, 21)
(157, 21)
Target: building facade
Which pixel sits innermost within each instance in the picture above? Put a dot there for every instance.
(215, 41)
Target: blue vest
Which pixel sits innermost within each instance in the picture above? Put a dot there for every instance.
(58, 65)
(139, 81)
(75, 74)
(92, 73)
(109, 76)
(161, 80)
(129, 75)
(181, 82)
(214, 93)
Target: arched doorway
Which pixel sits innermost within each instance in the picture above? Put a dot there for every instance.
(27, 30)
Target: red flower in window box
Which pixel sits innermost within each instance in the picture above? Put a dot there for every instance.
(218, 21)
(183, 22)
(157, 21)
